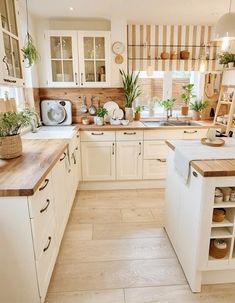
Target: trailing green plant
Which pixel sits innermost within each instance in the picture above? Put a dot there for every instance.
(12, 122)
(187, 93)
(226, 57)
(167, 104)
(131, 88)
(30, 52)
(138, 109)
(198, 105)
(101, 112)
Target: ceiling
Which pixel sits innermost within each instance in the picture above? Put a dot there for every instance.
(135, 11)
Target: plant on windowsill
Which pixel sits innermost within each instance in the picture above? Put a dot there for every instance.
(10, 125)
(167, 105)
(227, 59)
(137, 112)
(131, 91)
(100, 113)
(197, 106)
(186, 96)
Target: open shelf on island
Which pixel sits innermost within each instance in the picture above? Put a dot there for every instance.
(221, 232)
(224, 223)
(224, 204)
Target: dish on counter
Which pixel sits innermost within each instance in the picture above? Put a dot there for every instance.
(125, 122)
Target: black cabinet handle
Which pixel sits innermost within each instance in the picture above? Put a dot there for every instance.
(125, 133)
(195, 174)
(9, 81)
(97, 134)
(45, 185)
(140, 150)
(188, 132)
(161, 160)
(48, 245)
(61, 159)
(46, 207)
(113, 148)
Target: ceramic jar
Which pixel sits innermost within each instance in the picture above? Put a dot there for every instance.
(99, 121)
(129, 113)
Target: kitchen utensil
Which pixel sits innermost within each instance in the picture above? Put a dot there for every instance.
(92, 108)
(83, 108)
(119, 59)
(110, 106)
(118, 113)
(85, 120)
(219, 214)
(216, 143)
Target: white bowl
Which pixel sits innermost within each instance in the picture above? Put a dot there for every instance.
(125, 122)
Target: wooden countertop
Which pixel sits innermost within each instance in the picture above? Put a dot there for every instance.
(138, 125)
(212, 168)
(22, 176)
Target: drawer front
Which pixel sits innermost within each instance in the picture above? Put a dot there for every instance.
(47, 260)
(38, 200)
(130, 135)
(155, 150)
(154, 169)
(162, 134)
(194, 133)
(97, 136)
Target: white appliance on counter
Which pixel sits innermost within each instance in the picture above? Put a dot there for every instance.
(56, 112)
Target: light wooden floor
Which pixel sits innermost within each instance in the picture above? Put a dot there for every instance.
(115, 251)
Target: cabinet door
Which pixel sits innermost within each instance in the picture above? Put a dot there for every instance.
(154, 169)
(94, 53)
(129, 160)
(63, 58)
(194, 133)
(11, 57)
(98, 161)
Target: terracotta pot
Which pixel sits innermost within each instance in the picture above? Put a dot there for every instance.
(129, 113)
(184, 110)
(204, 114)
(137, 116)
(10, 147)
(165, 55)
(184, 55)
(196, 115)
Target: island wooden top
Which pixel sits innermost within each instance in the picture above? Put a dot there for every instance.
(212, 168)
(22, 176)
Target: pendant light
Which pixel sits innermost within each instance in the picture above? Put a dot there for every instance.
(225, 27)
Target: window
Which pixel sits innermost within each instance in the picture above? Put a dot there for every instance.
(162, 85)
(13, 92)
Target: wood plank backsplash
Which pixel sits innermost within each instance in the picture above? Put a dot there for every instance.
(101, 95)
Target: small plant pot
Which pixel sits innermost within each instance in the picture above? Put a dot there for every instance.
(204, 115)
(196, 115)
(99, 121)
(10, 147)
(129, 113)
(184, 110)
(230, 64)
(137, 116)
(184, 55)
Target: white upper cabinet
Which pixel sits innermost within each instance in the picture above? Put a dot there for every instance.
(94, 58)
(10, 54)
(62, 58)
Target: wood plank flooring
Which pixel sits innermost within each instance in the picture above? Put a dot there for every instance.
(115, 250)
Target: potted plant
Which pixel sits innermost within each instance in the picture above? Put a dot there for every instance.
(131, 92)
(167, 105)
(186, 96)
(10, 126)
(30, 52)
(100, 113)
(227, 59)
(137, 113)
(197, 107)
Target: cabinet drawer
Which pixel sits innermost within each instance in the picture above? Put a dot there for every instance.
(130, 135)
(155, 150)
(194, 133)
(154, 169)
(97, 136)
(38, 200)
(162, 134)
(47, 260)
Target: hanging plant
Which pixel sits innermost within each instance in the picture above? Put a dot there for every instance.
(30, 53)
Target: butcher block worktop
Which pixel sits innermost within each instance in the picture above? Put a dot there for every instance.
(212, 168)
(22, 176)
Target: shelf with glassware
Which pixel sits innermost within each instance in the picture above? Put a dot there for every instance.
(10, 45)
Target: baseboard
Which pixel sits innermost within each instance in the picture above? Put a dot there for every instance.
(109, 185)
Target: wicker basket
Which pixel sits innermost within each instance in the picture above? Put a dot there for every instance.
(219, 214)
(184, 55)
(217, 253)
(10, 147)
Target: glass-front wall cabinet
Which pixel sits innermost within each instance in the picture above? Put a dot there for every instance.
(63, 63)
(94, 58)
(10, 50)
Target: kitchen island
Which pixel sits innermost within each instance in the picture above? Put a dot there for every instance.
(189, 223)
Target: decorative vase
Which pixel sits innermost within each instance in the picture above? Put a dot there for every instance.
(196, 115)
(129, 113)
(10, 147)
(184, 110)
(137, 116)
(99, 121)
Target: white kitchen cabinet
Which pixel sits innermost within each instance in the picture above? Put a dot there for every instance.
(10, 44)
(194, 133)
(62, 59)
(94, 58)
(154, 169)
(98, 161)
(129, 160)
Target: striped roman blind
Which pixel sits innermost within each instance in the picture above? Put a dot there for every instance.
(147, 42)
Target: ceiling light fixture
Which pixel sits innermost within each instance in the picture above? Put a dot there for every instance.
(71, 9)
(225, 27)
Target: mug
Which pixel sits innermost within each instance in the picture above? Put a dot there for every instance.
(211, 134)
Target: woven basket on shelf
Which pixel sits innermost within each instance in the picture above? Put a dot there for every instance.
(216, 252)
(10, 147)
